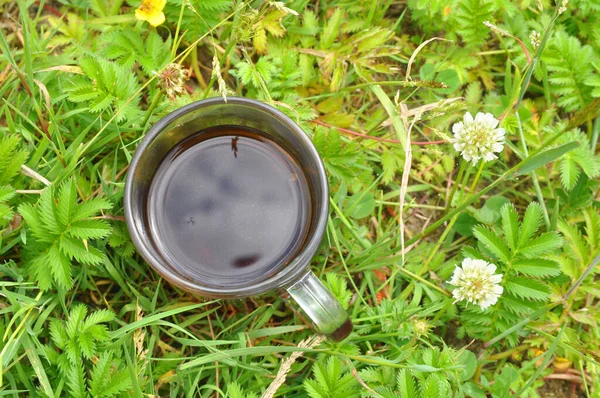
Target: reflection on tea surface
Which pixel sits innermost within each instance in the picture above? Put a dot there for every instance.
(228, 206)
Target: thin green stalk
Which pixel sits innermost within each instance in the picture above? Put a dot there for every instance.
(153, 105)
(461, 170)
(477, 176)
(423, 281)
(536, 184)
(364, 243)
(339, 250)
(595, 134)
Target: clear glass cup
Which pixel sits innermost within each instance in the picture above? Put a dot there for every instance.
(303, 286)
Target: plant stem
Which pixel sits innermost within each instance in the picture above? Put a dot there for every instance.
(461, 170)
(196, 68)
(150, 109)
(536, 184)
(476, 179)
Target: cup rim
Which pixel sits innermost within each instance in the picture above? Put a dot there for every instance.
(285, 276)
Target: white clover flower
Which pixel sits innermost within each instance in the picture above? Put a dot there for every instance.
(478, 138)
(476, 283)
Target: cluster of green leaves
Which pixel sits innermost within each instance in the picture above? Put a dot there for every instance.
(521, 256)
(106, 86)
(60, 232)
(571, 71)
(77, 339)
(63, 76)
(11, 159)
(127, 47)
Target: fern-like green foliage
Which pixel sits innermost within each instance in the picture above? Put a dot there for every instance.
(469, 18)
(235, 391)
(582, 159)
(570, 71)
(343, 161)
(77, 341)
(436, 164)
(106, 86)
(582, 245)
(11, 159)
(339, 287)
(127, 46)
(432, 15)
(331, 380)
(431, 376)
(521, 255)
(60, 233)
(199, 16)
(256, 75)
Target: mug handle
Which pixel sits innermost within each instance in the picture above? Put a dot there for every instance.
(327, 314)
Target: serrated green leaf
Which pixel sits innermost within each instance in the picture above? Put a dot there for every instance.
(536, 267)
(90, 208)
(6, 193)
(531, 223)
(526, 288)
(97, 317)
(545, 243)
(76, 381)
(569, 172)
(406, 384)
(510, 225)
(493, 243)
(67, 198)
(59, 265)
(89, 229)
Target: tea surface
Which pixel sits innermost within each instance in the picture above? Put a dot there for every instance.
(228, 206)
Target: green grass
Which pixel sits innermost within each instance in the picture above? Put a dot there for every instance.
(81, 82)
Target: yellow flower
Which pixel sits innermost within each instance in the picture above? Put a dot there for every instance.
(151, 11)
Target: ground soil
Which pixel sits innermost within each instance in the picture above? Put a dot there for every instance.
(560, 389)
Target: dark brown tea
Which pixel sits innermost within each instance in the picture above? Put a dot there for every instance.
(228, 206)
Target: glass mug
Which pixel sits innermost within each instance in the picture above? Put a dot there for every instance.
(158, 213)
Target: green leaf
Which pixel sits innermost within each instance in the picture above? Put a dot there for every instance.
(545, 157)
(493, 242)
(510, 225)
(86, 345)
(89, 229)
(6, 193)
(392, 113)
(536, 267)
(90, 208)
(469, 362)
(76, 381)
(97, 317)
(406, 383)
(331, 29)
(360, 205)
(531, 223)
(77, 250)
(58, 333)
(431, 388)
(59, 266)
(545, 243)
(67, 199)
(470, 16)
(569, 69)
(526, 288)
(75, 321)
(47, 210)
(569, 172)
